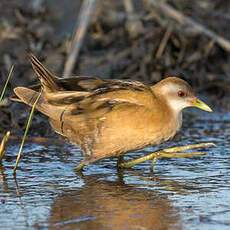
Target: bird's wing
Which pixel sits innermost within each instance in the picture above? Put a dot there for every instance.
(94, 91)
(83, 115)
(93, 99)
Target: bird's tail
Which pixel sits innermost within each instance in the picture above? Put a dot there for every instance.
(29, 96)
(48, 80)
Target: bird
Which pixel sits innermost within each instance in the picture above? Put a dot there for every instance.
(108, 117)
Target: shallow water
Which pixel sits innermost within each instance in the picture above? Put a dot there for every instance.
(191, 193)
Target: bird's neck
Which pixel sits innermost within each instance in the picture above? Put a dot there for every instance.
(171, 117)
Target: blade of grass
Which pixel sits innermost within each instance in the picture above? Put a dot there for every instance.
(7, 81)
(6, 137)
(3, 145)
(25, 133)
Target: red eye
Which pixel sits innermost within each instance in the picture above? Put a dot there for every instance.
(181, 93)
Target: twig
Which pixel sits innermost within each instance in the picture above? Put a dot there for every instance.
(84, 19)
(27, 128)
(185, 20)
(133, 24)
(209, 48)
(129, 6)
(164, 42)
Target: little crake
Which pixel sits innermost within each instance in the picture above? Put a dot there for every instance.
(107, 118)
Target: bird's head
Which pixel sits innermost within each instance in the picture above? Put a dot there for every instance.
(178, 94)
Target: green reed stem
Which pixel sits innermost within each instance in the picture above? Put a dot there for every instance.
(7, 81)
(25, 133)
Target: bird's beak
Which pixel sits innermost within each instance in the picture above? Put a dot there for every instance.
(200, 104)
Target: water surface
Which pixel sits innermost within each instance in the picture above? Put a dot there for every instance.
(191, 193)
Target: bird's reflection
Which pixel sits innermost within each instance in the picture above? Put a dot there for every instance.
(103, 204)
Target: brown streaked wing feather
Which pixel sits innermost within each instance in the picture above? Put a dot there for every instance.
(97, 103)
(79, 83)
(82, 113)
(124, 91)
(102, 90)
(63, 98)
(97, 85)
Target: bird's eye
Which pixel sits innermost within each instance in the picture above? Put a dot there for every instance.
(181, 93)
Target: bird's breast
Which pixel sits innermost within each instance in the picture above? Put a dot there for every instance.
(165, 129)
(131, 134)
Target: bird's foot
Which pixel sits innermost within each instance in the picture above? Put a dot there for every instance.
(80, 166)
(174, 152)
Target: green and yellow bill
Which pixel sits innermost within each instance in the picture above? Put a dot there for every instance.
(201, 105)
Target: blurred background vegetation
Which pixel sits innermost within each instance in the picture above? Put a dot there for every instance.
(126, 39)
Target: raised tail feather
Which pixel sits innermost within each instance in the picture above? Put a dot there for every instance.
(46, 77)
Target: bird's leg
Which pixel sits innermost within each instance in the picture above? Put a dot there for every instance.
(164, 154)
(81, 165)
(167, 153)
(120, 160)
(153, 163)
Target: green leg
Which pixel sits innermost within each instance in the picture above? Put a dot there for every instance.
(153, 163)
(167, 153)
(120, 160)
(81, 165)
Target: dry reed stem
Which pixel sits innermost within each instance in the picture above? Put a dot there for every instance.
(3, 145)
(164, 42)
(83, 23)
(185, 20)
